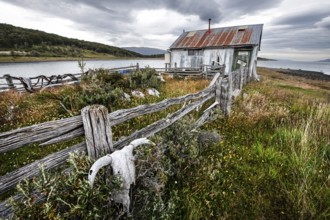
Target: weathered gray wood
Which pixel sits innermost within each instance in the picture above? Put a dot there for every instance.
(9, 81)
(11, 179)
(163, 123)
(97, 128)
(36, 133)
(241, 78)
(70, 128)
(121, 116)
(65, 137)
(204, 118)
(224, 102)
(6, 211)
(214, 80)
(218, 90)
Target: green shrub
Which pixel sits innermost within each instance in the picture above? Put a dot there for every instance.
(67, 196)
(145, 78)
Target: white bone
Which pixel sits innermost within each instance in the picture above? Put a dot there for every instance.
(122, 163)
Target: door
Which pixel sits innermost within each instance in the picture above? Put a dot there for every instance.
(241, 58)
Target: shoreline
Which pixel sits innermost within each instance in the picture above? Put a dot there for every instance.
(58, 59)
(314, 75)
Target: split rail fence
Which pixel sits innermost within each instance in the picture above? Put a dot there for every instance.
(95, 124)
(31, 84)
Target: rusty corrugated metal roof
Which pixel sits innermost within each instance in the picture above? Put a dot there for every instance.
(220, 37)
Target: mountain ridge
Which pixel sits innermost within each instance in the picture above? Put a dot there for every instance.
(325, 60)
(38, 43)
(148, 51)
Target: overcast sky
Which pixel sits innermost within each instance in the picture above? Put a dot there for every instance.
(293, 29)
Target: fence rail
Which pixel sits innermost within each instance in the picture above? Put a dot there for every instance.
(31, 84)
(221, 88)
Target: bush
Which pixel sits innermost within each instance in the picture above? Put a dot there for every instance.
(67, 196)
(145, 78)
(155, 195)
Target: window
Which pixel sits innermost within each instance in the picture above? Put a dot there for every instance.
(192, 52)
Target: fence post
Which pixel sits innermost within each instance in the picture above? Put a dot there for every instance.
(97, 130)
(9, 81)
(166, 67)
(137, 67)
(226, 94)
(241, 78)
(218, 91)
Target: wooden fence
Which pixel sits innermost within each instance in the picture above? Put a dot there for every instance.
(31, 84)
(96, 120)
(204, 70)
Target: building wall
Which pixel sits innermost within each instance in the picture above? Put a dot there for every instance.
(208, 56)
(203, 57)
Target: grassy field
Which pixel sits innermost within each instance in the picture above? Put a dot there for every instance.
(273, 161)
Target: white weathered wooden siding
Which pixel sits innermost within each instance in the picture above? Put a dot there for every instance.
(204, 57)
(208, 56)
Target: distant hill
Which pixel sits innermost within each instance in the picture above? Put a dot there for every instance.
(41, 44)
(265, 59)
(146, 50)
(326, 60)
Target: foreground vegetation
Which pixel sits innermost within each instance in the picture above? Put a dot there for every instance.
(273, 160)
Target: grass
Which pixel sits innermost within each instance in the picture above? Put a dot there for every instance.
(273, 161)
(30, 109)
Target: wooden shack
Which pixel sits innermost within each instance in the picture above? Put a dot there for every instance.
(235, 47)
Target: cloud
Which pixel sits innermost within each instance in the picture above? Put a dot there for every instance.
(247, 7)
(289, 25)
(324, 23)
(301, 19)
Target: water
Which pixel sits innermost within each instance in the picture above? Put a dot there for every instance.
(323, 67)
(62, 67)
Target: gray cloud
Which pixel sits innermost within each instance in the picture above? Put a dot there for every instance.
(247, 7)
(115, 19)
(300, 19)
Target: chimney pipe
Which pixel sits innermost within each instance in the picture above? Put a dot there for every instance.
(209, 26)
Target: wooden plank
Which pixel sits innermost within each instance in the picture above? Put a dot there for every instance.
(120, 116)
(125, 67)
(123, 115)
(205, 117)
(6, 210)
(36, 133)
(218, 91)
(215, 79)
(98, 134)
(65, 137)
(163, 123)
(10, 180)
(224, 95)
(69, 127)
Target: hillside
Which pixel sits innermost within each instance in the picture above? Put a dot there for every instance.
(146, 50)
(265, 59)
(27, 42)
(326, 60)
